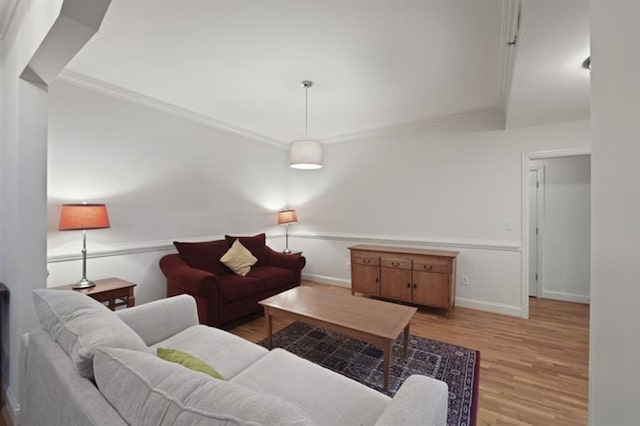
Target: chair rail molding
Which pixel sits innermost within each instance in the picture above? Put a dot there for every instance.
(416, 241)
(66, 253)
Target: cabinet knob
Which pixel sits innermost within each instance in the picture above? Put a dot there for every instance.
(415, 285)
(366, 260)
(377, 279)
(408, 285)
(395, 264)
(428, 267)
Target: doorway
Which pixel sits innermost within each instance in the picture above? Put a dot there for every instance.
(536, 217)
(556, 226)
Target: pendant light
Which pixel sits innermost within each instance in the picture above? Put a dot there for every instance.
(306, 153)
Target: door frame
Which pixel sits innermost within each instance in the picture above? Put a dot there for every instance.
(540, 203)
(526, 158)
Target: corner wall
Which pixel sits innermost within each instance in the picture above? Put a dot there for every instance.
(614, 374)
(164, 177)
(23, 180)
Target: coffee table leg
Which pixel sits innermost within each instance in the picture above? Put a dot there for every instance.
(406, 340)
(387, 363)
(268, 318)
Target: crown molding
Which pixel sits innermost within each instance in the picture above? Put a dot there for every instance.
(434, 122)
(85, 82)
(7, 9)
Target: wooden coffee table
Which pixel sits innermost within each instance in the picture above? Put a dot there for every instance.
(372, 321)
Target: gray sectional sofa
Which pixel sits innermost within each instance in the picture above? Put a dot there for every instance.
(87, 365)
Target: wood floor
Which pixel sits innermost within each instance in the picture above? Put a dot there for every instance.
(5, 418)
(532, 372)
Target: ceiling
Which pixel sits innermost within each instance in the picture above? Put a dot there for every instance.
(374, 64)
(549, 83)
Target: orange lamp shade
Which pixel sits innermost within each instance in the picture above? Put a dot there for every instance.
(77, 217)
(287, 216)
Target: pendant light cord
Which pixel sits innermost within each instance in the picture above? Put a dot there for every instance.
(306, 111)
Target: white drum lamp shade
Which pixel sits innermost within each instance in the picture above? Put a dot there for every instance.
(305, 154)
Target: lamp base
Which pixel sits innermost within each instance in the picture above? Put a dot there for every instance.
(83, 283)
(287, 251)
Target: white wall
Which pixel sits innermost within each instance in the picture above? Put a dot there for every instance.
(23, 180)
(566, 234)
(614, 375)
(449, 187)
(163, 178)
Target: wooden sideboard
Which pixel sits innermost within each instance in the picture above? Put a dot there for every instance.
(423, 277)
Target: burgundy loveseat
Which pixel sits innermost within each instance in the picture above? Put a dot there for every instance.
(221, 295)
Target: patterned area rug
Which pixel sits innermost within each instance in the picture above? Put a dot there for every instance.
(455, 365)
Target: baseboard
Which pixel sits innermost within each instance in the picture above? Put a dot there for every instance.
(322, 279)
(497, 308)
(14, 407)
(566, 297)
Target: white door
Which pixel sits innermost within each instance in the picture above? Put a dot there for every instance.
(534, 182)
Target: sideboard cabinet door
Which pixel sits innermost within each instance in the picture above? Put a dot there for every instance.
(431, 289)
(365, 273)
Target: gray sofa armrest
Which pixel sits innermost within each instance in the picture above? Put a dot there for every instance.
(420, 400)
(158, 320)
(54, 394)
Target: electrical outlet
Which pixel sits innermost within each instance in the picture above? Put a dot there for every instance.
(508, 224)
(465, 280)
(348, 265)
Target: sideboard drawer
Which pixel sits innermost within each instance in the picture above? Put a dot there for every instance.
(399, 262)
(431, 264)
(364, 258)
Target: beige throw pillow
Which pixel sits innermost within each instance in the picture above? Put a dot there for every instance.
(238, 259)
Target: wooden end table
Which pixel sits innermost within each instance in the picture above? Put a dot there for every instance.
(113, 292)
(373, 321)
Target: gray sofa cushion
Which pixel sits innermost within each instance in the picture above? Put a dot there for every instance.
(80, 325)
(163, 393)
(223, 351)
(314, 389)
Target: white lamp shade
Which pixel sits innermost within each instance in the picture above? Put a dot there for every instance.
(305, 154)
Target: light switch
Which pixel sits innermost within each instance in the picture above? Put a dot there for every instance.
(508, 224)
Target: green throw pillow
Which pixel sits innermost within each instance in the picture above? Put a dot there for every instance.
(187, 360)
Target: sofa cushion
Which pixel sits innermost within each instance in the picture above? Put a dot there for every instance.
(255, 244)
(229, 354)
(187, 360)
(236, 287)
(163, 393)
(304, 383)
(238, 259)
(80, 325)
(272, 276)
(204, 255)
